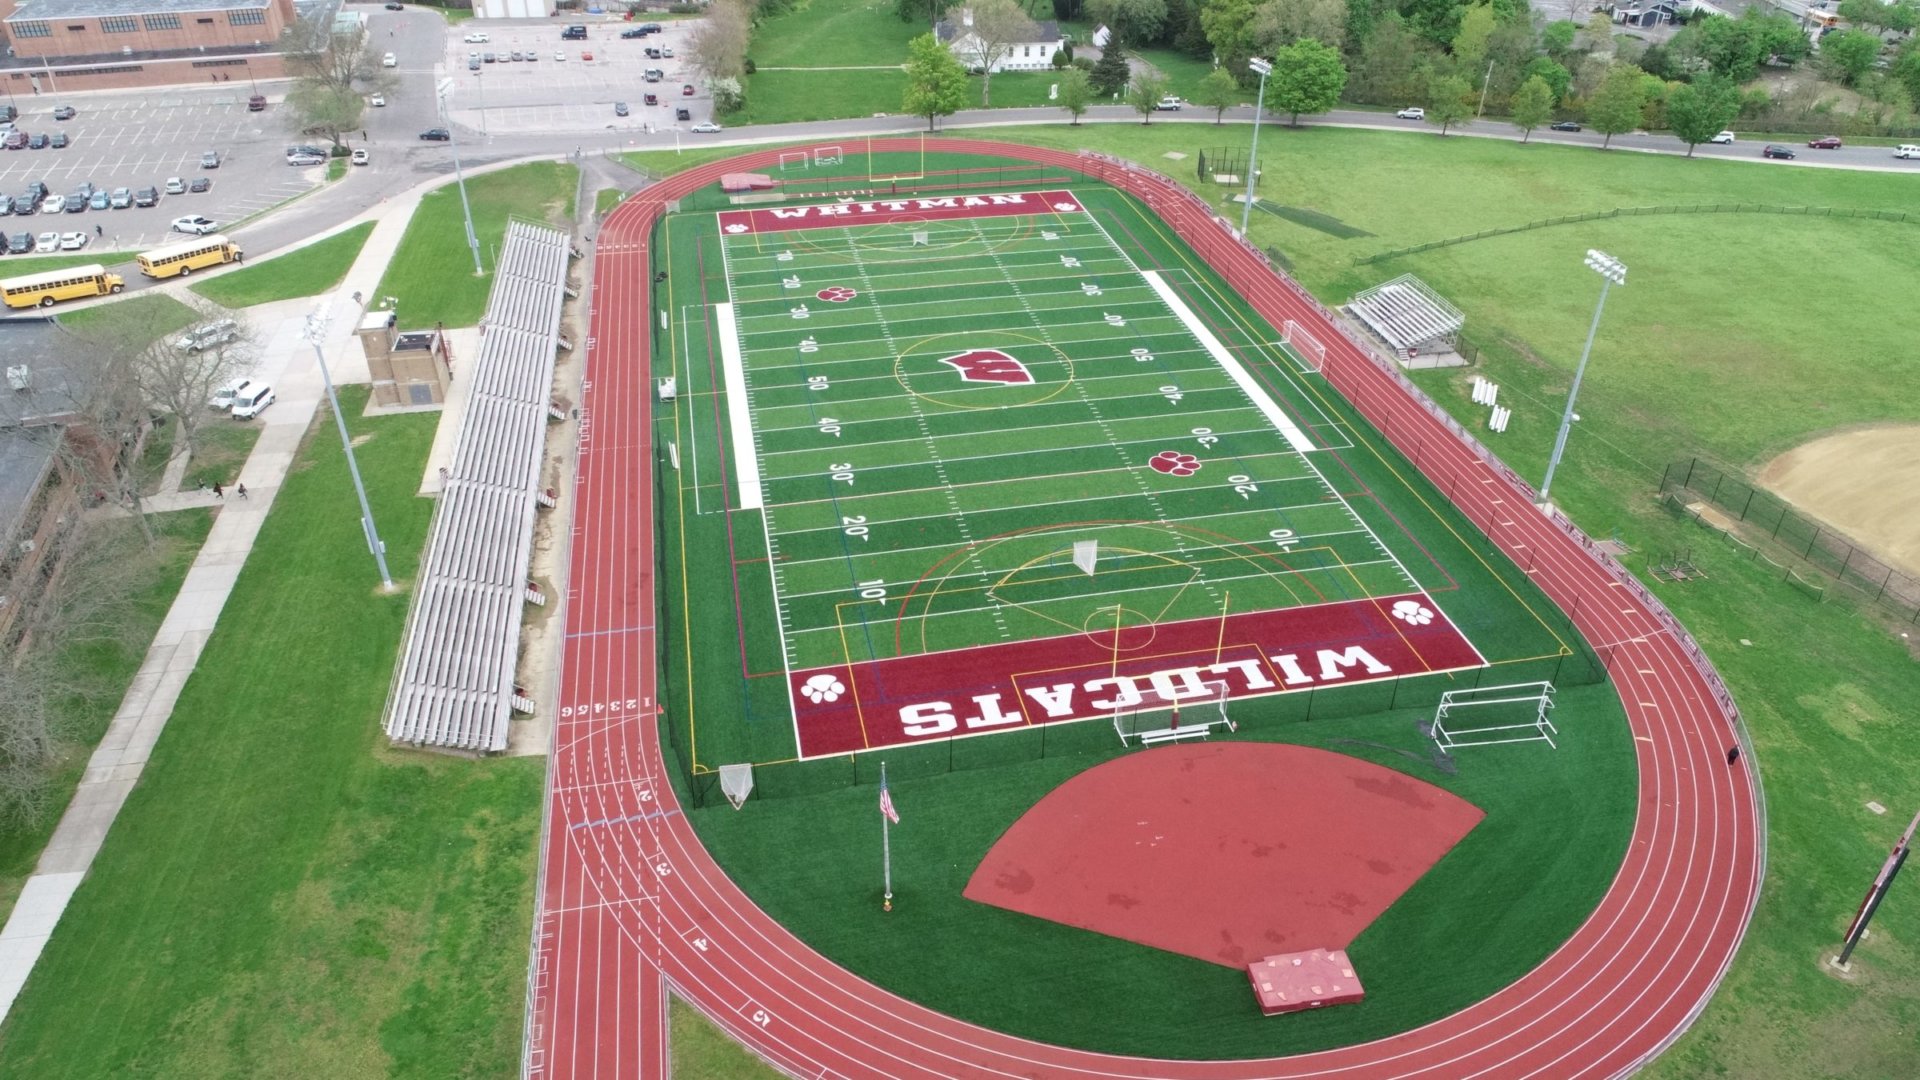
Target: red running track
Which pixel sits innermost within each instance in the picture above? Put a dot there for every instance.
(629, 901)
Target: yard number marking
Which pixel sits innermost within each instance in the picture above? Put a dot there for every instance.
(1115, 320)
(1069, 262)
(875, 590)
(843, 472)
(785, 256)
(1172, 394)
(1144, 356)
(800, 312)
(1244, 485)
(829, 426)
(1205, 436)
(856, 525)
(808, 345)
(791, 281)
(816, 382)
(1284, 538)
(1091, 289)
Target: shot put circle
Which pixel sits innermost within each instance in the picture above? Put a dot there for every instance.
(927, 370)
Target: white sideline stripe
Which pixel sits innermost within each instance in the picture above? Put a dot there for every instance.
(1254, 391)
(746, 465)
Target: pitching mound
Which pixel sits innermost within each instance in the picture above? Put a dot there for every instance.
(1224, 851)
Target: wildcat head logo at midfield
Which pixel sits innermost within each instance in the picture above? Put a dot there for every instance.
(989, 366)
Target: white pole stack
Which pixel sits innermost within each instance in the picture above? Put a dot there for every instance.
(1488, 394)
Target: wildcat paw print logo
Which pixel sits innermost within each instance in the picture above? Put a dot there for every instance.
(1412, 612)
(836, 294)
(1066, 207)
(823, 688)
(736, 227)
(1174, 463)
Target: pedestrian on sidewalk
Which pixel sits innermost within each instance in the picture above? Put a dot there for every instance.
(217, 493)
(240, 490)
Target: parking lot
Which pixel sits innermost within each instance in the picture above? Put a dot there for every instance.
(133, 140)
(574, 93)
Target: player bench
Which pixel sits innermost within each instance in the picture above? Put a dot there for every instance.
(1174, 734)
(1156, 719)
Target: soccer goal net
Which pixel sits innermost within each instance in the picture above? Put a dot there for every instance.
(1160, 716)
(1491, 715)
(1311, 351)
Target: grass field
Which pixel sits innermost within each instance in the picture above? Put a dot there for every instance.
(283, 895)
(154, 313)
(307, 271)
(432, 270)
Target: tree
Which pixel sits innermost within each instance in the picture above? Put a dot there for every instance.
(1392, 67)
(1557, 37)
(1307, 78)
(1848, 55)
(1435, 20)
(996, 26)
(1447, 100)
(174, 381)
(1076, 92)
(1283, 22)
(1145, 94)
(1906, 68)
(718, 47)
(931, 10)
(1470, 41)
(729, 96)
(1615, 107)
(1111, 74)
(1219, 91)
(1599, 30)
(1229, 29)
(1899, 17)
(331, 73)
(1136, 22)
(936, 83)
(1557, 78)
(1532, 105)
(314, 109)
(1698, 111)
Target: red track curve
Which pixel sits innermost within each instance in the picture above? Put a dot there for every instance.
(629, 899)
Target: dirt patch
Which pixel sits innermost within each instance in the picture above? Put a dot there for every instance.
(1864, 483)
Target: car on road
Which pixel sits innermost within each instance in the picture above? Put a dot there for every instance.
(1412, 113)
(195, 224)
(176, 186)
(395, 5)
(47, 241)
(686, 89)
(1828, 142)
(75, 203)
(20, 243)
(476, 38)
(15, 140)
(705, 127)
(65, 112)
(436, 135)
(74, 241)
(1724, 138)
(378, 101)
(210, 159)
(1564, 125)
(1784, 153)
(620, 107)
(389, 60)
(359, 157)
(60, 141)
(38, 141)
(682, 114)
(122, 198)
(147, 196)
(1907, 150)
(200, 183)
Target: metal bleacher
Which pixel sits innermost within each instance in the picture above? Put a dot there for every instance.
(454, 687)
(1407, 314)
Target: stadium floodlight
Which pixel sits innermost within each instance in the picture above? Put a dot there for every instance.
(459, 177)
(1263, 68)
(1612, 272)
(315, 331)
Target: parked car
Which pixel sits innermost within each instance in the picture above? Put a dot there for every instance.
(86, 189)
(74, 241)
(666, 51)
(682, 114)
(222, 399)
(53, 204)
(101, 200)
(436, 135)
(651, 99)
(60, 141)
(15, 140)
(389, 60)
(513, 57)
(654, 75)
(586, 56)
(38, 141)
(1724, 138)
(620, 107)
(65, 112)
(20, 243)
(252, 401)
(48, 241)
(1413, 113)
(473, 63)
(6, 207)
(576, 32)
(1826, 142)
(122, 198)
(1785, 153)
(195, 224)
(176, 186)
(257, 103)
(633, 32)
(395, 5)
(652, 51)
(210, 159)
(488, 57)
(75, 203)
(559, 56)
(147, 196)
(301, 161)
(200, 183)
(26, 205)
(206, 336)
(39, 190)
(359, 157)
(705, 127)
(476, 37)
(1564, 125)
(686, 89)
(378, 101)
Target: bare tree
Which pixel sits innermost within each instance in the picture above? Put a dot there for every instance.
(989, 29)
(178, 374)
(718, 47)
(331, 73)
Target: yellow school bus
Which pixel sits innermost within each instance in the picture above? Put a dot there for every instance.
(188, 255)
(73, 283)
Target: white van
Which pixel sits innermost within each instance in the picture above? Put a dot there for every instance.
(252, 400)
(223, 398)
(1907, 150)
(207, 335)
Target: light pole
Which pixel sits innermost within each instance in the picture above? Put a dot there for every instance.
(460, 178)
(1485, 84)
(316, 332)
(1612, 272)
(480, 90)
(1264, 68)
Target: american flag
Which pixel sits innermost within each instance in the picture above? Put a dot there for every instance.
(886, 804)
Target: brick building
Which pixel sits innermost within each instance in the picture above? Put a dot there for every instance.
(93, 44)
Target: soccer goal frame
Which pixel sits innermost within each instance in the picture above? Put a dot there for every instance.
(792, 159)
(1311, 351)
(1450, 731)
(1159, 717)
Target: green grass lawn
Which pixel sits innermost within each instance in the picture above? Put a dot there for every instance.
(606, 199)
(307, 271)
(283, 895)
(150, 313)
(834, 33)
(19, 267)
(220, 448)
(432, 271)
(97, 674)
(702, 1051)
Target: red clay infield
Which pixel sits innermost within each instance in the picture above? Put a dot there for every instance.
(1227, 851)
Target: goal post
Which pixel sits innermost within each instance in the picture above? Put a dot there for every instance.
(1311, 351)
(793, 159)
(1159, 716)
(1493, 715)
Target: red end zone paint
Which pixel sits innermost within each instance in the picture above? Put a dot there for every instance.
(849, 708)
(904, 210)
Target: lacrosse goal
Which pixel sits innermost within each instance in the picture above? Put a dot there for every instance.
(1311, 351)
(1160, 716)
(1496, 714)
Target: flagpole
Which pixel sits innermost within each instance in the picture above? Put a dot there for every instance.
(886, 849)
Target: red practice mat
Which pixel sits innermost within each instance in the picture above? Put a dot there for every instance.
(1226, 851)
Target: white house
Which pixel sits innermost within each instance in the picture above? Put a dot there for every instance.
(956, 33)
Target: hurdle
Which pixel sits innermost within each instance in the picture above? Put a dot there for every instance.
(1537, 694)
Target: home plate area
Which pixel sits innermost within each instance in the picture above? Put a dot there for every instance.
(1260, 856)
